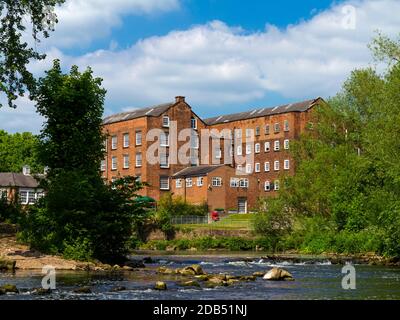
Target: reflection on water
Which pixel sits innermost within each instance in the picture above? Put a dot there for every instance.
(320, 280)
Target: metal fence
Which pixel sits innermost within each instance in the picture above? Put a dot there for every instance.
(190, 220)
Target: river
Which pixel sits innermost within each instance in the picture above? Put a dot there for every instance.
(313, 280)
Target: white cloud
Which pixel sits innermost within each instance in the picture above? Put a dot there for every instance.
(82, 21)
(217, 65)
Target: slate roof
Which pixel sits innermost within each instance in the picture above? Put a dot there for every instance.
(261, 112)
(153, 111)
(198, 171)
(11, 179)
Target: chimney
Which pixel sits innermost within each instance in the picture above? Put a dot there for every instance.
(26, 170)
(179, 99)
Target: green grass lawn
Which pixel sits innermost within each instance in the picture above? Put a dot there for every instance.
(231, 222)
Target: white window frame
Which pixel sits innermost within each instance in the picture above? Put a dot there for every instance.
(103, 165)
(165, 121)
(126, 140)
(114, 142)
(248, 132)
(216, 181)
(218, 153)
(257, 131)
(248, 148)
(243, 183)
(267, 166)
(257, 167)
(114, 163)
(164, 139)
(267, 129)
(234, 182)
(238, 133)
(178, 183)
(200, 181)
(164, 156)
(189, 182)
(276, 185)
(126, 161)
(239, 150)
(138, 160)
(286, 164)
(286, 144)
(138, 137)
(277, 127)
(249, 168)
(267, 146)
(257, 148)
(165, 179)
(277, 145)
(276, 165)
(193, 123)
(267, 186)
(286, 125)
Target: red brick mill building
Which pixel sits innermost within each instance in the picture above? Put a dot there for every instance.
(229, 161)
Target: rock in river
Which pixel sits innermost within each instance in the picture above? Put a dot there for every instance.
(160, 285)
(83, 290)
(8, 288)
(278, 274)
(7, 265)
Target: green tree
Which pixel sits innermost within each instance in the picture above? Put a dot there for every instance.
(80, 216)
(15, 52)
(17, 150)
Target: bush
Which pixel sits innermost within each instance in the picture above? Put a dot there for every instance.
(10, 211)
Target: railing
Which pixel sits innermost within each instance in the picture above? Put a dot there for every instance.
(190, 220)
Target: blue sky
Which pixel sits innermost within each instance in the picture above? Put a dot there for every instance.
(225, 56)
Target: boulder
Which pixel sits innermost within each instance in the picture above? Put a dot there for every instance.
(259, 274)
(197, 269)
(216, 281)
(190, 283)
(8, 288)
(231, 281)
(165, 270)
(202, 277)
(83, 290)
(160, 285)
(277, 274)
(7, 265)
(127, 268)
(41, 291)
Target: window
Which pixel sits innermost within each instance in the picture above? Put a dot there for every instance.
(249, 169)
(238, 133)
(267, 129)
(286, 125)
(138, 160)
(113, 163)
(239, 167)
(23, 197)
(164, 139)
(105, 142)
(276, 185)
(239, 150)
(138, 138)
(266, 166)
(193, 123)
(277, 127)
(178, 183)
(164, 183)
(234, 183)
(114, 141)
(126, 161)
(244, 183)
(194, 140)
(257, 148)
(257, 167)
(267, 186)
(189, 182)
(139, 178)
(257, 131)
(126, 140)
(267, 146)
(200, 181)
(218, 153)
(3, 193)
(216, 181)
(276, 145)
(103, 165)
(31, 197)
(248, 148)
(286, 144)
(164, 163)
(286, 165)
(248, 133)
(276, 165)
(165, 121)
